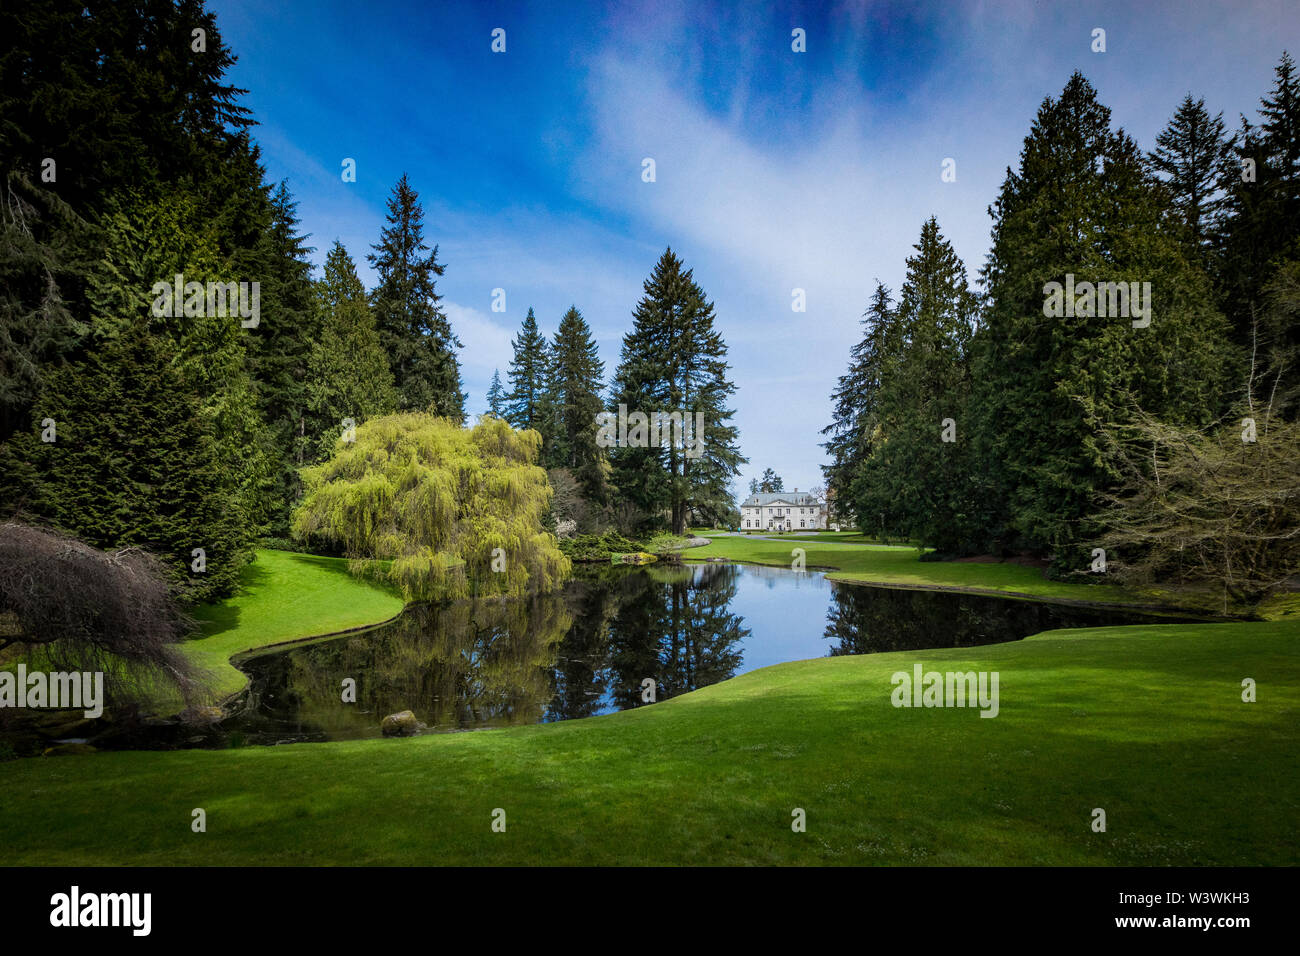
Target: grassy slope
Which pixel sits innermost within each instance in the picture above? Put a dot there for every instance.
(1146, 722)
(284, 597)
(900, 565)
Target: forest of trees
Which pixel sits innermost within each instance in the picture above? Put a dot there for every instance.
(982, 422)
(188, 433)
(969, 421)
(182, 434)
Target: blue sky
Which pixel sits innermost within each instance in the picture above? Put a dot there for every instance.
(775, 170)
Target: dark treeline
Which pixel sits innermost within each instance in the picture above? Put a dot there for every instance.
(1017, 420)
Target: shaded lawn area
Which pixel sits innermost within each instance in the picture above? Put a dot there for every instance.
(1146, 722)
(284, 597)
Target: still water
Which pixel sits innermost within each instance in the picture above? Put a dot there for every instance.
(587, 650)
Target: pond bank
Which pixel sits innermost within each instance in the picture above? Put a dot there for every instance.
(899, 566)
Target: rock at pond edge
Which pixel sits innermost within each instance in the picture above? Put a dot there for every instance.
(401, 724)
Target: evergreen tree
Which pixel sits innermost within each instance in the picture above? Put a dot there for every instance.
(412, 327)
(496, 396)
(1261, 233)
(856, 399)
(110, 92)
(528, 375)
(134, 115)
(574, 394)
(1192, 156)
(135, 461)
(347, 374)
(1081, 205)
(280, 347)
(152, 238)
(916, 471)
(39, 256)
(771, 482)
(674, 361)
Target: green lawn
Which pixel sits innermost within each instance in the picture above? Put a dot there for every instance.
(1144, 722)
(285, 597)
(901, 565)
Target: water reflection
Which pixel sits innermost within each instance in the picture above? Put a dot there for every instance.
(484, 663)
(492, 663)
(870, 620)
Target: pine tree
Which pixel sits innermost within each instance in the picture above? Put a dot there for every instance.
(347, 374)
(911, 474)
(38, 258)
(412, 327)
(134, 115)
(856, 399)
(674, 361)
(135, 461)
(496, 396)
(574, 393)
(1192, 156)
(771, 482)
(1081, 205)
(148, 238)
(1261, 232)
(133, 109)
(528, 376)
(280, 347)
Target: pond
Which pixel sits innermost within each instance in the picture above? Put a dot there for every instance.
(588, 650)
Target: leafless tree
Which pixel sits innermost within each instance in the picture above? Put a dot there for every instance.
(77, 608)
(1206, 508)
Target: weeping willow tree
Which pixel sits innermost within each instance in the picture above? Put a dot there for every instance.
(439, 510)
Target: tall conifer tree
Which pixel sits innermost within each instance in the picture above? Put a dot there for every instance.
(1192, 155)
(1080, 208)
(412, 327)
(674, 361)
(576, 376)
(347, 375)
(496, 395)
(855, 401)
(916, 470)
(528, 375)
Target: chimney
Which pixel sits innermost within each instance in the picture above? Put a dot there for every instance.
(796, 491)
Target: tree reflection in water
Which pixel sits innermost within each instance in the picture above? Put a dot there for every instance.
(586, 651)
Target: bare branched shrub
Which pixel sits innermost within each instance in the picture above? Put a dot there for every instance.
(81, 609)
(1205, 508)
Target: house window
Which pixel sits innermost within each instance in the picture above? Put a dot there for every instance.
(801, 522)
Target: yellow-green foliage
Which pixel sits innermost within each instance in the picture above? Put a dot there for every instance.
(437, 500)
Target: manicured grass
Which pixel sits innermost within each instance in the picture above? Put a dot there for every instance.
(285, 597)
(1145, 722)
(901, 565)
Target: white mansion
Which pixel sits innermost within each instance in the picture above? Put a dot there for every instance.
(782, 511)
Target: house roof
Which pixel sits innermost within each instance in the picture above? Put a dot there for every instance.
(801, 498)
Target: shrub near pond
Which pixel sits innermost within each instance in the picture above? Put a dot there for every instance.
(598, 547)
(457, 511)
